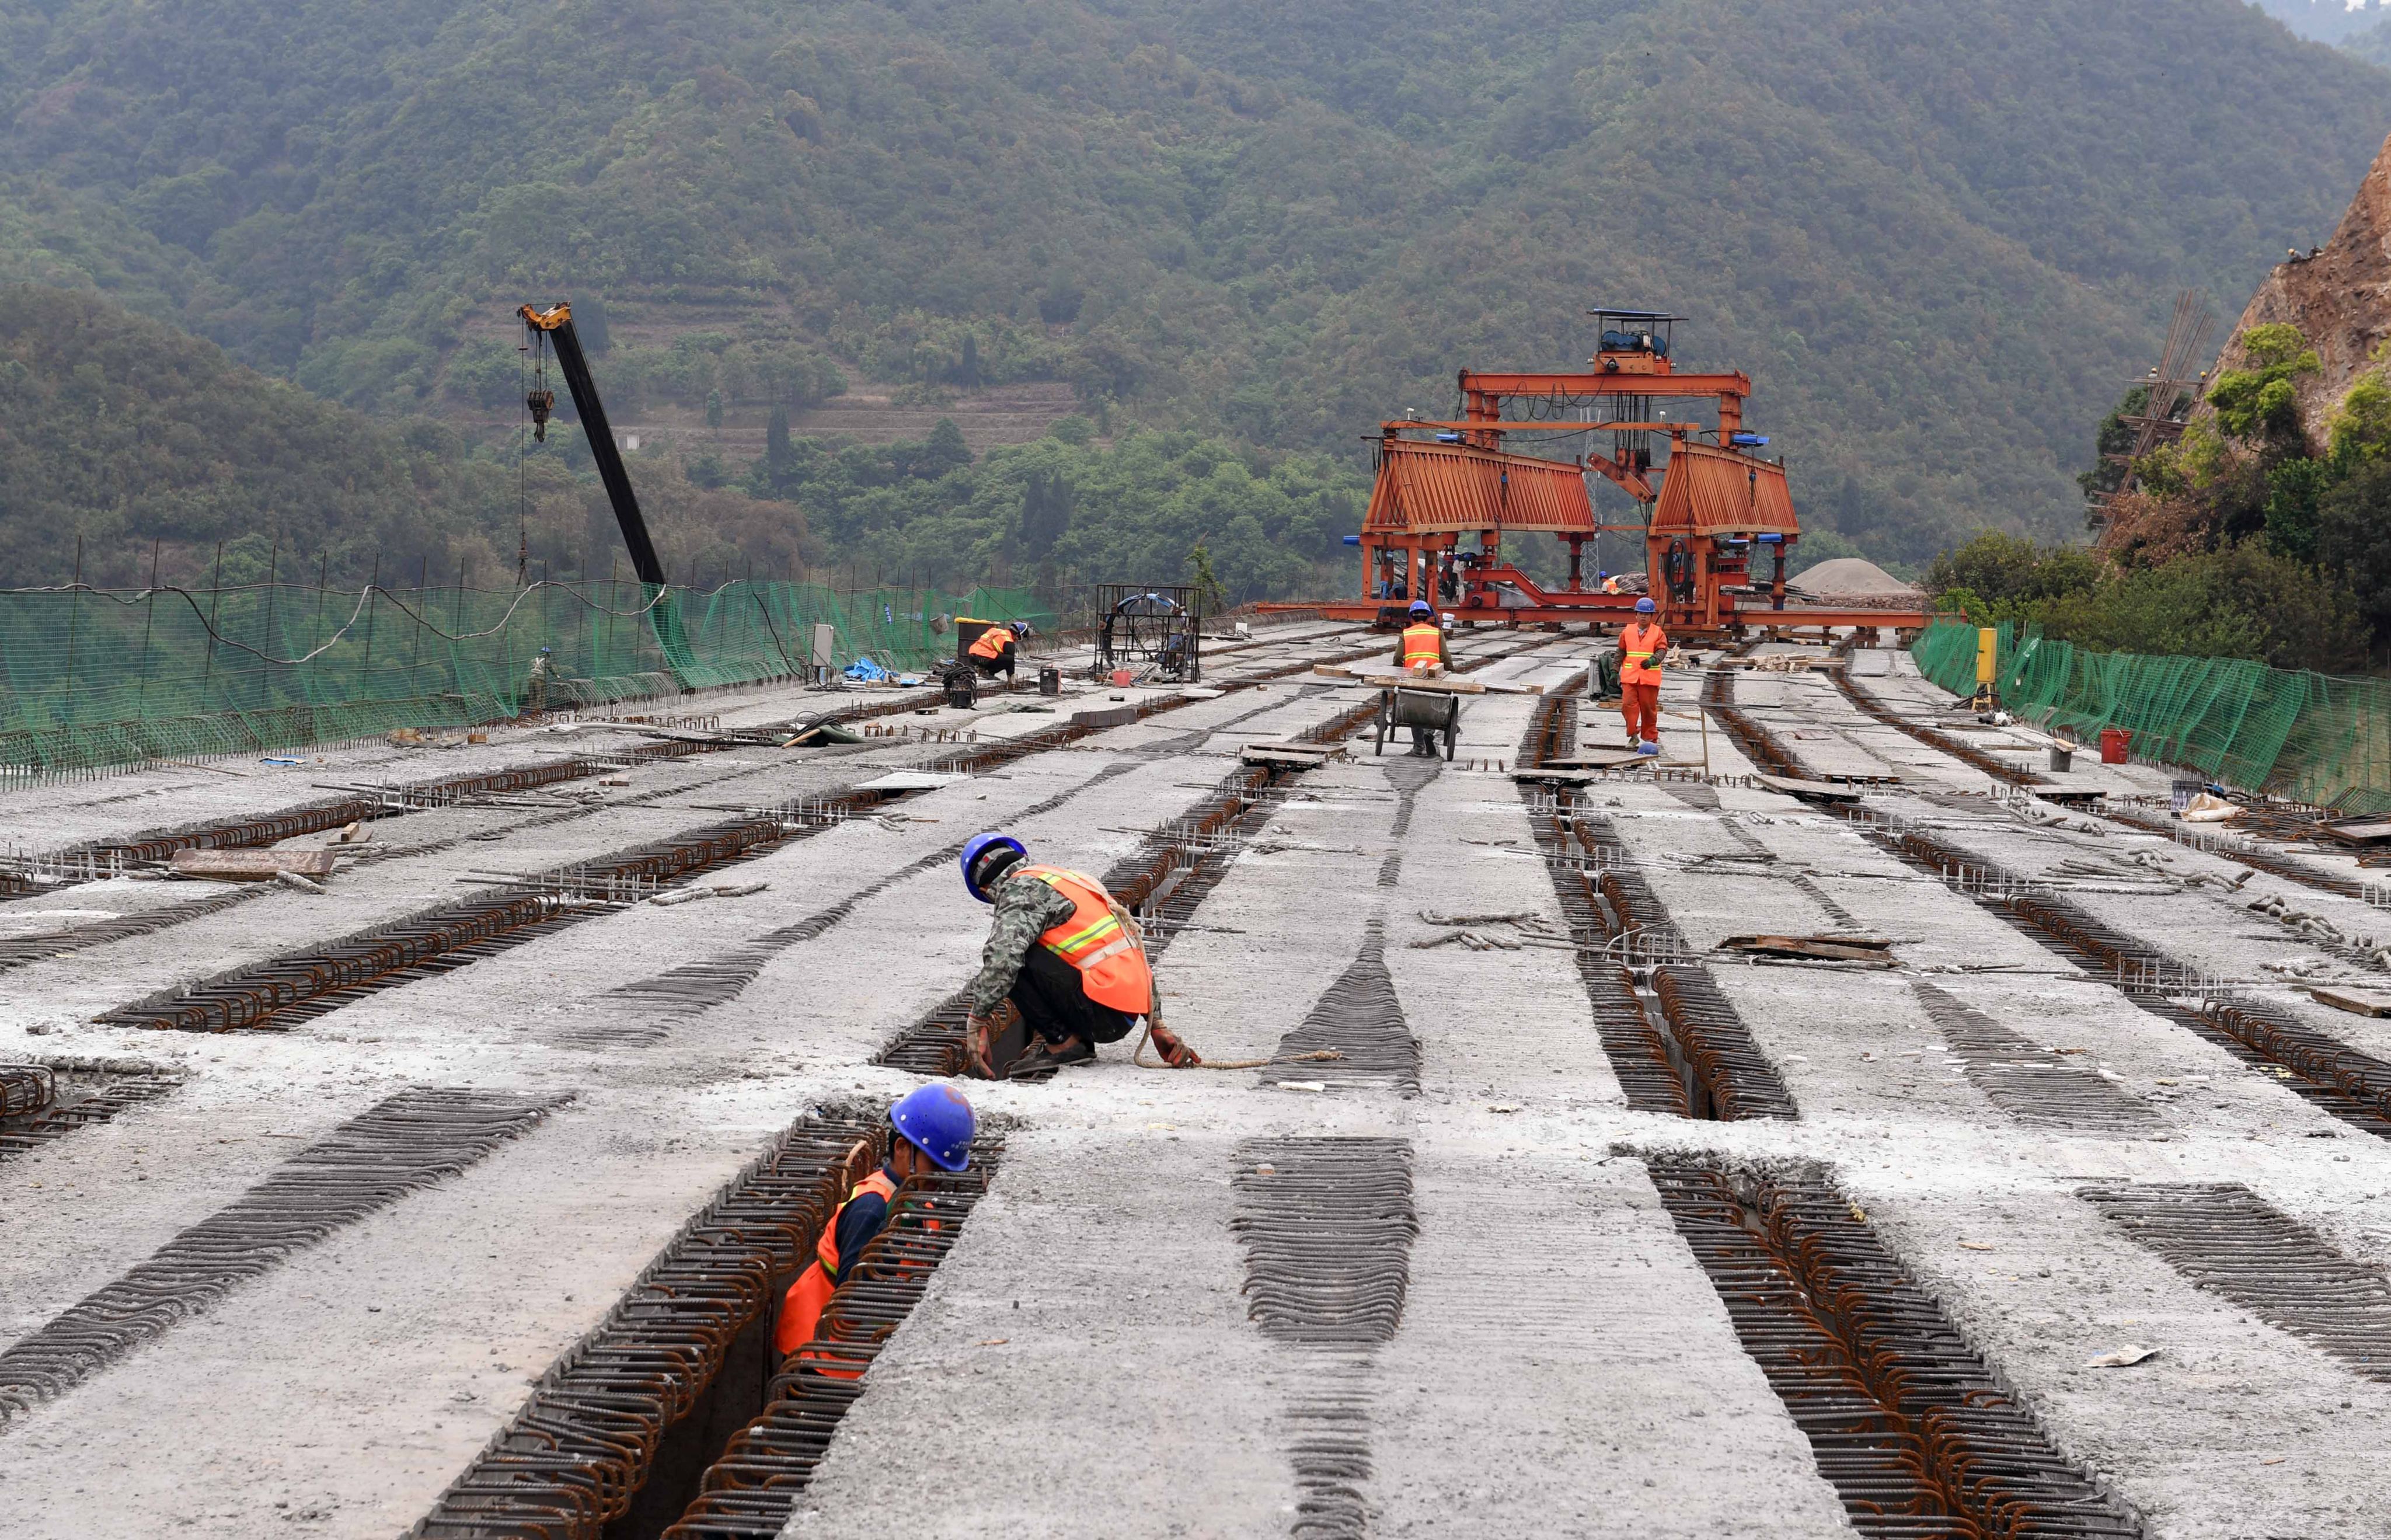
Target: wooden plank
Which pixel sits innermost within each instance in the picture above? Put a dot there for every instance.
(1258, 754)
(1873, 951)
(1282, 745)
(1578, 777)
(251, 865)
(1595, 758)
(1816, 791)
(2361, 831)
(1451, 684)
(2356, 1002)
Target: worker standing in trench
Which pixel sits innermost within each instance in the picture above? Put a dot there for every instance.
(1064, 954)
(930, 1129)
(1642, 648)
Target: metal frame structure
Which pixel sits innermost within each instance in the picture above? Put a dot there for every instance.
(1713, 506)
(1150, 625)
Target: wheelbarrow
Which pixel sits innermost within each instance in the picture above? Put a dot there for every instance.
(1436, 711)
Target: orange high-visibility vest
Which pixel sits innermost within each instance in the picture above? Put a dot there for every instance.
(989, 645)
(1639, 644)
(1112, 969)
(801, 1308)
(1423, 645)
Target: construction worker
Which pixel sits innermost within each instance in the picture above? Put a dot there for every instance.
(929, 1130)
(1420, 648)
(993, 651)
(536, 688)
(1063, 954)
(1643, 646)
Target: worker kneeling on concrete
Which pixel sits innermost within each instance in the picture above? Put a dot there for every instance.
(1641, 647)
(1064, 954)
(994, 649)
(931, 1130)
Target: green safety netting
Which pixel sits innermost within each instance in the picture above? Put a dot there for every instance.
(2321, 738)
(91, 677)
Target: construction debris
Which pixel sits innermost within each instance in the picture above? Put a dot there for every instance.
(251, 865)
(718, 890)
(1874, 951)
(2205, 808)
(2356, 1002)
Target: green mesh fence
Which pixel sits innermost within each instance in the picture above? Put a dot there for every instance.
(93, 678)
(2317, 737)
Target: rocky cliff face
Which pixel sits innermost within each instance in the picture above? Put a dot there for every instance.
(2340, 299)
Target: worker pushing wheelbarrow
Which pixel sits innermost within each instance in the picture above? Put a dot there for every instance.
(1429, 713)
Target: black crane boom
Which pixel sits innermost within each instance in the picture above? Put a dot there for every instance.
(558, 325)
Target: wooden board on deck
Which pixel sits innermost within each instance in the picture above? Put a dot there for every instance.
(2356, 1002)
(1387, 679)
(251, 865)
(1812, 790)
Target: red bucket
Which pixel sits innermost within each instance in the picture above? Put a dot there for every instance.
(2115, 741)
(1121, 677)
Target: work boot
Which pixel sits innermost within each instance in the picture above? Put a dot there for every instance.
(1044, 1057)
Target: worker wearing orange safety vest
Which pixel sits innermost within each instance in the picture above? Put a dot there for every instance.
(1423, 641)
(1642, 646)
(993, 651)
(1063, 954)
(1422, 649)
(930, 1129)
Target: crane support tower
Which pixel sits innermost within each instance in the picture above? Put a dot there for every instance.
(1716, 518)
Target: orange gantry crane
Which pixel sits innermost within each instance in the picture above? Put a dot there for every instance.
(1718, 526)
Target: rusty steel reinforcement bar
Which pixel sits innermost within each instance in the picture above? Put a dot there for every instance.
(1327, 1226)
(584, 1443)
(1640, 1055)
(284, 990)
(94, 861)
(1699, 1044)
(1914, 1429)
(2248, 855)
(2231, 1242)
(33, 1111)
(2025, 1080)
(751, 1490)
(1959, 748)
(2352, 1086)
(404, 1143)
(1162, 883)
(1360, 1020)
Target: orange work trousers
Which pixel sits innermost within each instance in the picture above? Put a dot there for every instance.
(1640, 703)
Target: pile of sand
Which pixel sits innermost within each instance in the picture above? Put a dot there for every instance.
(1849, 578)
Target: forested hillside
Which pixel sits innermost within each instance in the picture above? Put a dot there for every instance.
(1938, 233)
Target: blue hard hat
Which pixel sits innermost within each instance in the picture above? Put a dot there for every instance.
(979, 845)
(938, 1121)
(1421, 606)
(1644, 607)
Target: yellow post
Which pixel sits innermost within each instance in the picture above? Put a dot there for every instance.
(1988, 645)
